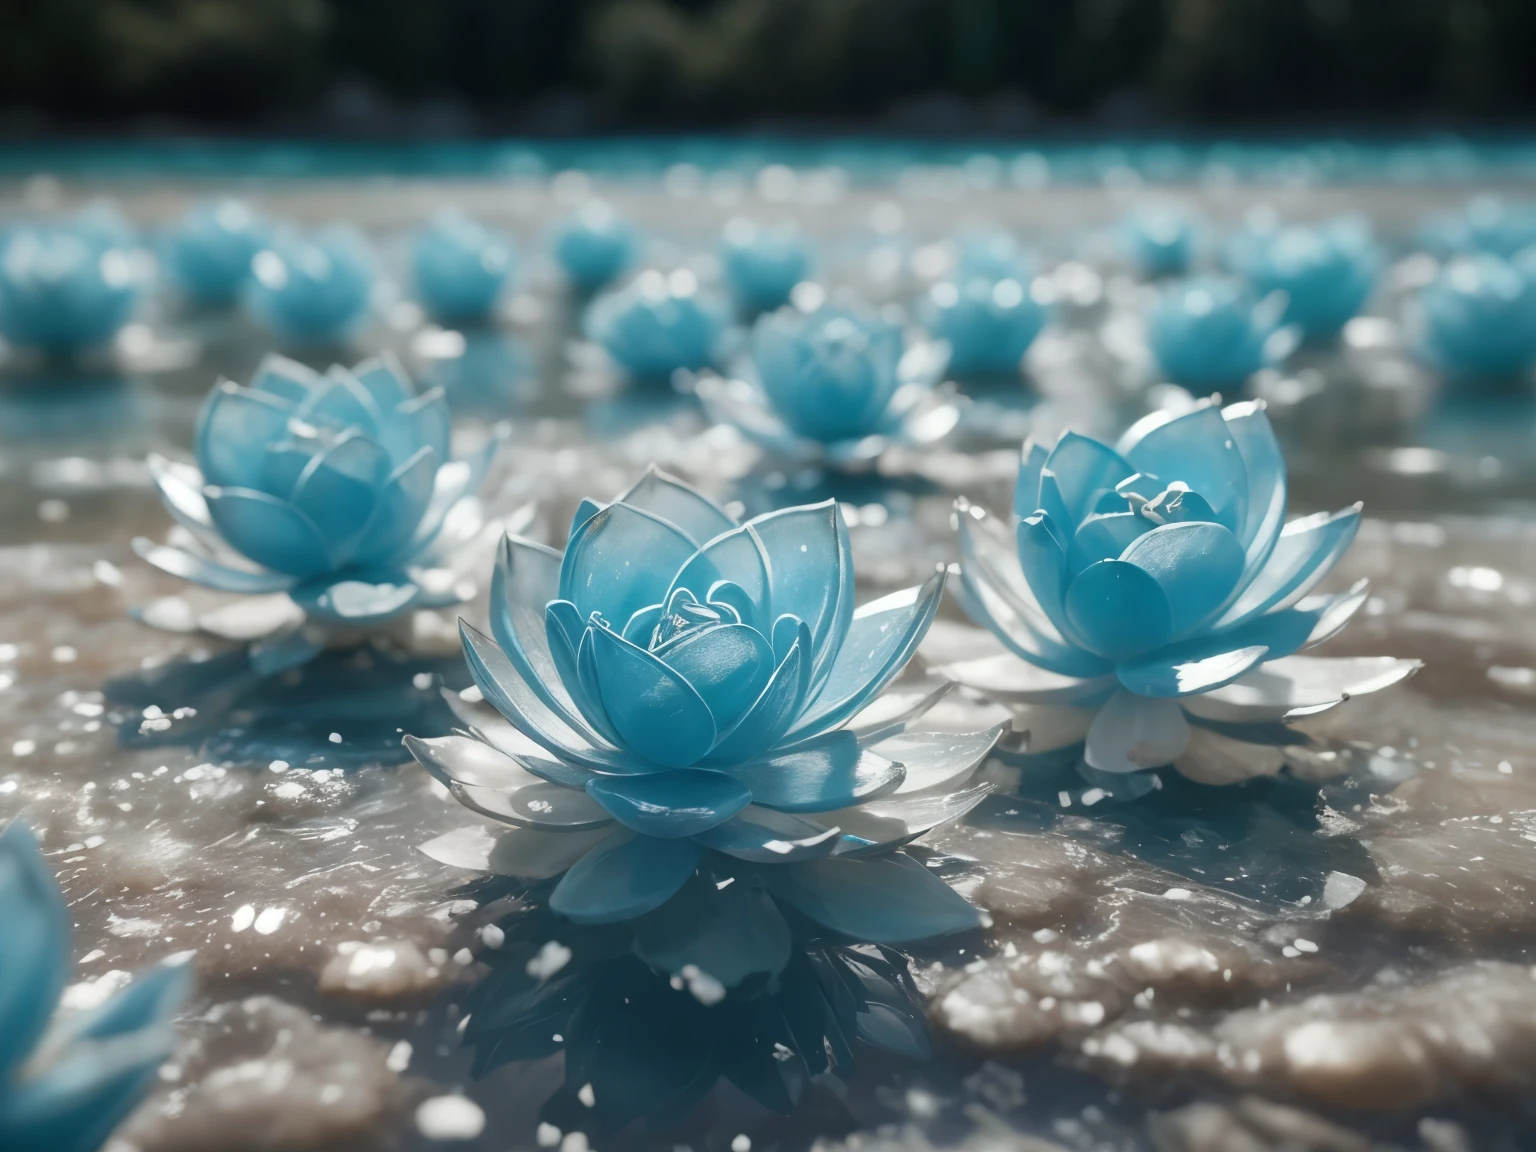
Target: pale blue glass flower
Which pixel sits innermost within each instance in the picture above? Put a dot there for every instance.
(1159, 241)
(762, 264)
(314, 289)
(68, 287)
(460, 267)
(594, 247)
(67, 1080)
(657, 325)
(678, 686)
(329, 500)
(836, 384)
(1477, 319)
(1211, 332)
(209, 253)
(988, 324)
(1486, 224)
(1327, 273)
(1157, 593)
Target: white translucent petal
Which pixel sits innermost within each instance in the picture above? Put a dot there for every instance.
(1299, 686)
(1007, 677)
(1133, 732)
(885, 823)
(252, 617)
(938, 761)
(522, 852)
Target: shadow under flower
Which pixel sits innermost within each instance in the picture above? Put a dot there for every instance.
(229, 713)
(648, 1046)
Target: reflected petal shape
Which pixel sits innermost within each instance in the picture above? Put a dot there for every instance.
(729, 933)
(684, 802)
(882, 900)
(624, 877)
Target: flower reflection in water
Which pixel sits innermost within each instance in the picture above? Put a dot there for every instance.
(645, 1045)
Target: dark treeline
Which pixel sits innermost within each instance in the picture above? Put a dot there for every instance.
(592, 64)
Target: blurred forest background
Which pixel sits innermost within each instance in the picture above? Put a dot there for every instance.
(556, 66)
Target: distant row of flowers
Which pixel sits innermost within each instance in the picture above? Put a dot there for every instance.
(73, 284)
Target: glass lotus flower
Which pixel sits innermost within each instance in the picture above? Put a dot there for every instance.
(762, 264)
(312, 290)
(209, 253)
(1153, 597)
(658, 325)
(836, 385)
(1211, 332)
(679, 692)
(1159, 241)
(988, 324)
(330, 501)
(1477, 319)
(68, 287)
(594, 247)
(460, 267)
(67, 1080)
(1327, 272)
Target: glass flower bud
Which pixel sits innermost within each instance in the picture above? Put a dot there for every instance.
(312, 290)
(1210, 333)
(1158, 591)
(678, 686)
(1327, 273)
(209, 253)
(1477, 319)
(67, 287)
(1159, 242)
(68, 1078)
(594, 247)
(836, 383)
(335, 491)
(657, 325)
(988, 324)
(460, 267)
(762, 264)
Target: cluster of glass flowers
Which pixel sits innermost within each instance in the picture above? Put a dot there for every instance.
(1152, 598)
(833, 384)
(330, 502)
(67, 1077)
(679, 691)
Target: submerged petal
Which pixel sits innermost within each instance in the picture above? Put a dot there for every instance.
(890, 899)
(624, 877)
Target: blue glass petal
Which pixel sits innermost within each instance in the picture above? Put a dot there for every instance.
(880, 641)
(1265, 466)
(762, 725)
(656, 712)
(525, 580)
(339, 489)
(538, 804)
(272, 533)
(285, 379)
(893, 821)
(622, 560)
(1197, 565)
(401, 502)
(587, 509)
(1042, 559)
(340, 402)
(422, 421)
(359, 598)
(730, 933)
(385, 381)
(641, 626)
(586, 688)
(209, 573)
(810, 565)
(1026, 489)
(736, 558)
(1311, 621)
(1076, 473)
(668, 498)
(1184, 669)
(233, 431)
(767, 836)
(728, 665)
(624, 877)
(1104, 536)
(823, 774)
(684, 802)
(37, 946)
(181, 492)
(1119, 610)
(1307, 550)
(507, 692)
(881, 900)
(1198, 449)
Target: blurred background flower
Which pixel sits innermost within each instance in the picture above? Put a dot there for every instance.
(312, 289)
(460, 267)
(209, 252)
